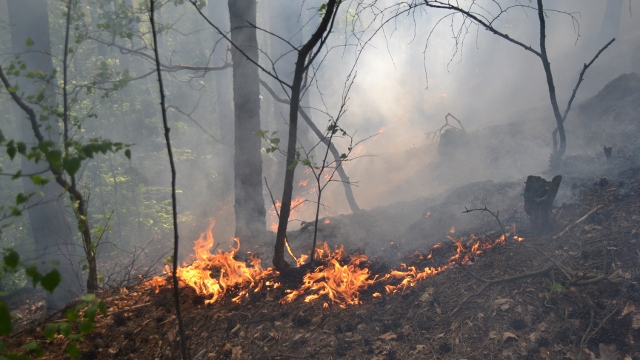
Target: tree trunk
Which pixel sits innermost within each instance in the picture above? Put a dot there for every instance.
(50, 229)
(249, 201)
(278, 257)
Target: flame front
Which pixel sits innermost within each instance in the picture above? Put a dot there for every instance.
(339, 278)
(341, 283)
(216, 274)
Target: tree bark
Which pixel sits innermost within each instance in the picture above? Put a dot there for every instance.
(249, 201)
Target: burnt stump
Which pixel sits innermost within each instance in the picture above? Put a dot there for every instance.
(538, 199)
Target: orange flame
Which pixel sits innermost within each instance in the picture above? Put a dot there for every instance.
(229, 273)
(341, 283)
(340, 279)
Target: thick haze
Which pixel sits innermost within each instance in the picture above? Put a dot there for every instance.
(403, 89)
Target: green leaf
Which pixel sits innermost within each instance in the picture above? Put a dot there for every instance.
(72, 165)
(38, 180)
(293, 165)
(50, 331)
(65, 329)
(88, 297)
(127, 153)
(13, 89)
(5, 319)
(72, 350)
(17, 175)
(2, 138)
(86, 327)
(22, 148)
(12, 259)
(15, 212)
(21, 198)
(72, 315)
(34, 274)
(54, 157)
(557, 288)
(29, 42)
(11, 150)
(103, 308)
(50, 281)
(76, 337)
(31, 345)
(129, 35)
(90, 313)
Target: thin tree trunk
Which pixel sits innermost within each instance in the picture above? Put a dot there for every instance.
(298, 75)
(557, 155)
(174, 204)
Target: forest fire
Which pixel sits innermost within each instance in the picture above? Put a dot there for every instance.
(229, 272)
(341, 283)
(339, 278)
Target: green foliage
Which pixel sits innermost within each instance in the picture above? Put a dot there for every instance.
(79, 321)
(82, 317)
(274, 142)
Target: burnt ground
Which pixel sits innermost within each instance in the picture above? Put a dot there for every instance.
(559, 313)
(565, 294)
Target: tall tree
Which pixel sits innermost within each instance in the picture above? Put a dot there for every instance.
(249, 202)
(29, 21)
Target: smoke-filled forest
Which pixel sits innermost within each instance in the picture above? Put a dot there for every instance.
(378, 179)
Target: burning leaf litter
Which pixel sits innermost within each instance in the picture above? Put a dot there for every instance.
(340, 278)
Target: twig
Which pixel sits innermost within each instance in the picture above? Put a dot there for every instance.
(504, 233)
(588, 336)
(563, 232)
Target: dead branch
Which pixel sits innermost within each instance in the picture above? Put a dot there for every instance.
(571, 226)
(575, 90)
(504, 233)
(587, 335)
(437, 133)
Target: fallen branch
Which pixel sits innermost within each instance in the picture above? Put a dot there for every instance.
(587, 335)
(571, 226)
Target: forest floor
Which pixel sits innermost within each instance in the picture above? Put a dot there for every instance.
(550, 297)
(568, 294)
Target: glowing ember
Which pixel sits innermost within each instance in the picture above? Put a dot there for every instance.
(452, 230)
(303, 183)
(428, 214)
